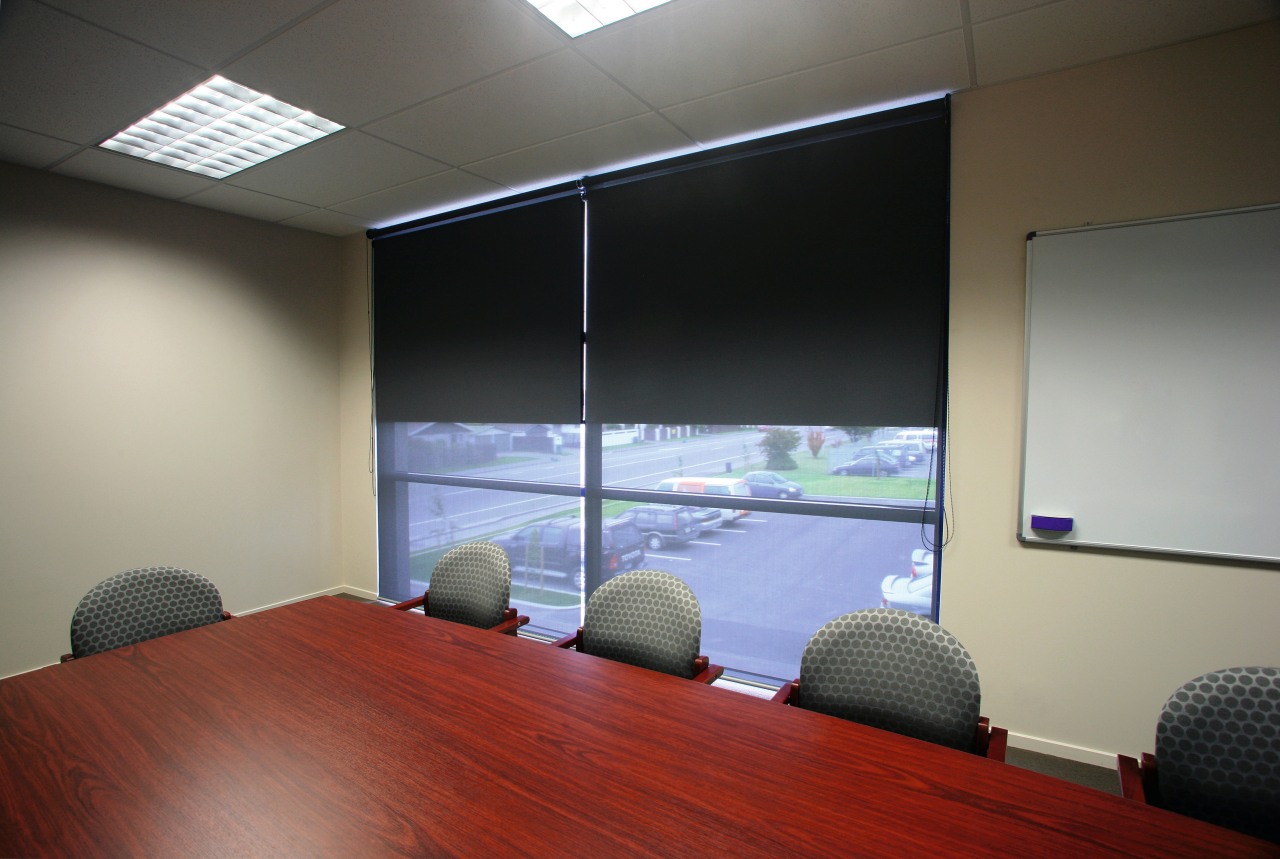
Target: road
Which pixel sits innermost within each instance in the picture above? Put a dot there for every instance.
(466, 514)
(455, 514)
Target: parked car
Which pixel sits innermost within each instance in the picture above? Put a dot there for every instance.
(710, 486)
(663, 523)
(709, 518)
(927, 438)
(914, 591)
(908, 452)
(898, 455)
(556, 546)
(868, 465)
(769, 484)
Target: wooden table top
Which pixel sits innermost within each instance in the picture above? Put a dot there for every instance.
(335, 728)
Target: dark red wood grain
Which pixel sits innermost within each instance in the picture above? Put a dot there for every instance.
(334, 728)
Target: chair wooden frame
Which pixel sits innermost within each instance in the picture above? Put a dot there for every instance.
(1138, 779)
(988, 741)
(510, 624)
(703, 670)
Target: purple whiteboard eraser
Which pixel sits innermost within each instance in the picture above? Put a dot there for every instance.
(1052, 523)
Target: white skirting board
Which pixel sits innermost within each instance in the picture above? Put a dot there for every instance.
(1069, 752)
(341, 589)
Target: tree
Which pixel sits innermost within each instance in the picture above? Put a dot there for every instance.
(816, 439)
(856, 433)
(777, 445)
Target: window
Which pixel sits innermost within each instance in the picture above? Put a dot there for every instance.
(778, 524)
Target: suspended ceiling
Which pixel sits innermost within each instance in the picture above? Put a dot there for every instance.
(447, 102)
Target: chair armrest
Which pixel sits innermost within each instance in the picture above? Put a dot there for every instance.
(785, 691)
(510, 623)
(574, 641)
(705, 672)
(1137, 780)
(999, 744)
(419, 602)
(990, 742)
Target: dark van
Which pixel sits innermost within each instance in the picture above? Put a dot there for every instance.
(556, 546)
(663, 523)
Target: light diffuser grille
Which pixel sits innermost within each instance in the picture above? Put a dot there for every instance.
(576, 17)
(220, 128)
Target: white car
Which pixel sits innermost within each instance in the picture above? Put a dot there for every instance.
(928, 438)
(913, 592)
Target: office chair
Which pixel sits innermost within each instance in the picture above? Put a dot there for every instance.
(895, 670)
(471, 584)
(647, 618)
(1217, 754)
(142, 604)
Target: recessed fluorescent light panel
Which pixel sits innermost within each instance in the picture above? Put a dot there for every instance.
(220, 128)
(576, 17)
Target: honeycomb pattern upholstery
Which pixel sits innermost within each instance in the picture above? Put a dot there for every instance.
(142, 604)
(895, 670)
(647, 618)
(1218, 750)
(471, 584)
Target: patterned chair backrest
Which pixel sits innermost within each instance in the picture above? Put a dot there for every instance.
(894, 670)
(471, 584)
(142, 604)
(647, 618)
(1218, 750)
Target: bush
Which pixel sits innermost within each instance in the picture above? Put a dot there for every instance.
(777, 445)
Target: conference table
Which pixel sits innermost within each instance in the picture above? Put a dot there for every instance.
(331, 727)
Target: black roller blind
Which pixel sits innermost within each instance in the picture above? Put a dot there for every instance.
(799, 285)
(481, 319)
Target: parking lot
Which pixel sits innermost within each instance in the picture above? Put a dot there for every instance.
(765, 582)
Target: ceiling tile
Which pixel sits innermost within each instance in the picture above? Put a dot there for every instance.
(445, 191)
(599, 150)
(361, 59)
(124, 171)
(197, 31)
(926, 68)
(31, 149)
(228, 198)
(697, 49)
(985, 10)
(550, 97)
(115, 81)
(350, 164)
(1076, 32)
(332, 223)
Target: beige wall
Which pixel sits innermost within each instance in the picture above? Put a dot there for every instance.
(168, 376)
(1080, 648)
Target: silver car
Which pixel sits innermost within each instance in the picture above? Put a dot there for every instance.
(914, 591)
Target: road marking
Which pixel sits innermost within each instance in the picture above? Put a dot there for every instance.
(727, 531)
(702, 543)
(666, 557)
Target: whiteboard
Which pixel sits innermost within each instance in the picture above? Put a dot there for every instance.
(1152, 386)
